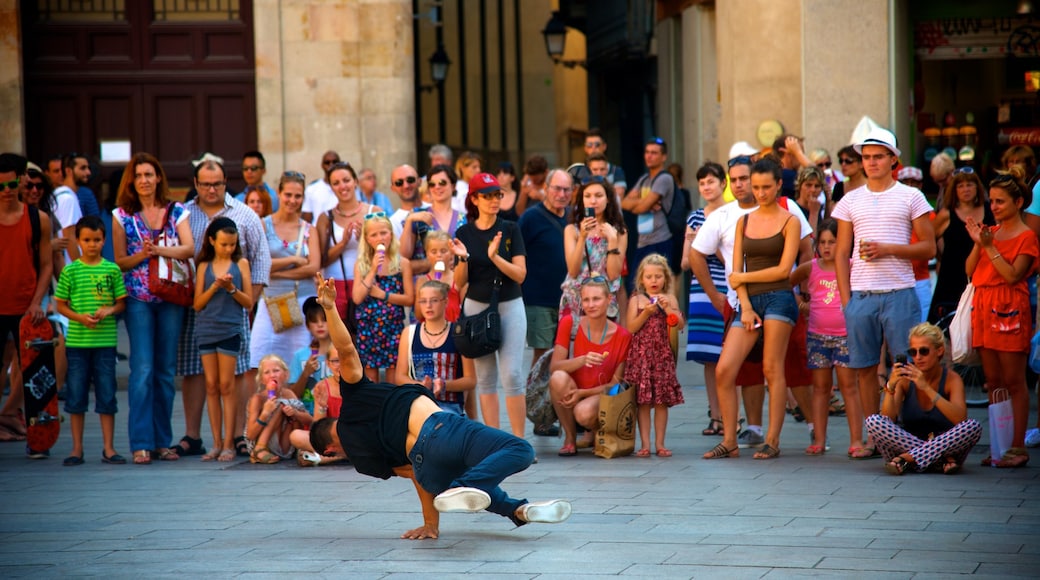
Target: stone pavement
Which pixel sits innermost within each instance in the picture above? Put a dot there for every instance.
(679, 517)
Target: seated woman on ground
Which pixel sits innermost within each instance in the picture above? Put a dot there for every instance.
(596, 363)
(929, 401)
(327, 403)
(427, 353)
(273, 412)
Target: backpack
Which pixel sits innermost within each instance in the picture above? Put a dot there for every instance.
(539, 402)
(675, 217)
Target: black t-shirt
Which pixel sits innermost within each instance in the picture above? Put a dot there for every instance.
(373, 424)
(482, 272)
(543, 232)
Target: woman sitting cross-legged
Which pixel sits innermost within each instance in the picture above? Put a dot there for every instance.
(928, 399)
(596, 363)
(273, 413)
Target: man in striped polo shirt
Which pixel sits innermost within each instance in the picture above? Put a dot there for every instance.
(877, 292)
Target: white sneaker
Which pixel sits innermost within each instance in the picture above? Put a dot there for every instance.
(308, 459)
(462, 499)
(749, 438)
(1033, 438)
(545, 512)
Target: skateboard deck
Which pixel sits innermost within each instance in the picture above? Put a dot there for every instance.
(36, 343)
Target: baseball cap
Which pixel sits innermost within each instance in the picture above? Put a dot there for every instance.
(910, 173)
(742, 148)
(483, 183)
(879, 136)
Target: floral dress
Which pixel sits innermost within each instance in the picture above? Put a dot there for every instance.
(380, 324)
(136, 279)
(650, 366)
(593, 264)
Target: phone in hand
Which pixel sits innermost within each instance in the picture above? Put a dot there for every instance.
(901, 359)
(589, 212)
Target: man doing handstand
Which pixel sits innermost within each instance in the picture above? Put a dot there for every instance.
(456, 464)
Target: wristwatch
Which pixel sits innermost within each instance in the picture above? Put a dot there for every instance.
(462, 258)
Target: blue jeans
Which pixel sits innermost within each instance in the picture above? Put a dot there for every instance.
(154, 329)
(91, 365)
(452, 451)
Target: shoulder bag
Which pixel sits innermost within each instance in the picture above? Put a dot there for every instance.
(480, 334)
(284, 309)
(169, 279)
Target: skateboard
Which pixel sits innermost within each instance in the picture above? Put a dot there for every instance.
(36, 342)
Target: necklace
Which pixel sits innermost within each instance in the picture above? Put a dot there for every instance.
(602, 338)
(428, 333)
(342, 213)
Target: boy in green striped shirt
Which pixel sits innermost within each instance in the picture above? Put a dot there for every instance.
(90, 293)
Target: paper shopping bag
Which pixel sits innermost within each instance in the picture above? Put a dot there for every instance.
(616, 434)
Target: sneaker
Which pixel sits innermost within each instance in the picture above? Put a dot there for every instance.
(1033, 438)
(462, 499)
(31, 454)
(545, 512)
(749, 438)
(308, 459)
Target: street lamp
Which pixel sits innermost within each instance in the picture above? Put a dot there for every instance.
(555, 33)
(439, 63)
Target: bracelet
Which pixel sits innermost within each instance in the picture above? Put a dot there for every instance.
(615, 251)
(262, 423)
(936, 398)
(462, 259)
(889, 389)
(995, 257)
(366, 284)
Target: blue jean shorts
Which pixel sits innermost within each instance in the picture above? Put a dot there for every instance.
(826, 351)
(88, 366)
(775, 305)
(873, 317)
(226, 347)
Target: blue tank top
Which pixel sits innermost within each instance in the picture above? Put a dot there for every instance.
(921, 423)
(222, 317)
(443, 362)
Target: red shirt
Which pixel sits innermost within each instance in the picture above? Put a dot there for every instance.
(617, 349)
(16, 266)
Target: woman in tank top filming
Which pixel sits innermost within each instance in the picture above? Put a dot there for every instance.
(764, 252)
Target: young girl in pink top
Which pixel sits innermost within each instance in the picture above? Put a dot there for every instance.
(828, 345)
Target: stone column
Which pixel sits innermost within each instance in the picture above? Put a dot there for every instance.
(12, 123)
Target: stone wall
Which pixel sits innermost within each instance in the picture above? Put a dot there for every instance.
(12, 122)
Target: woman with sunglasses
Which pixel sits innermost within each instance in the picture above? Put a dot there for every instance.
(964, 199)
(492, 258)
(594, 244)
(440, 216)
(1003, 258)
(295, 258)
(928, 401)
(852, 168)
(339, 230)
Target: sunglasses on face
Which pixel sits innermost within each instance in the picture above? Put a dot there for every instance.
(325, 162)
(438, 183)
(923, 351)
(824, 165)
(492, 195)
(251, 168)
(410, 179)
(13, 184)
(846, 161)
(741, 160)
(37, 185)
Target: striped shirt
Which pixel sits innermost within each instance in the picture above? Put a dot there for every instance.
(886, 217)
(86, 288)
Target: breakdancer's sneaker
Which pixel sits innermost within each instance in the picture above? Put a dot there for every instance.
(545, 512)
(462, 499)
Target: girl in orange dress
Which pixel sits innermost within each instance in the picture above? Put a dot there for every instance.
(1001, 320)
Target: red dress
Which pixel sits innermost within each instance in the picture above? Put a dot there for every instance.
(650, 366)
(1001, 318)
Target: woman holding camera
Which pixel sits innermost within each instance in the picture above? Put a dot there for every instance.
(929, 400)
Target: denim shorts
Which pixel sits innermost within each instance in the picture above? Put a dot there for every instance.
(86, 366)
(826, 351)
(872, 317)
(226, 347)
(775, 305)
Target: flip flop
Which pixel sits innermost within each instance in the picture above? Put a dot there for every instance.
(142, 457)
(644, 452)
(662, 452)
(567, 451)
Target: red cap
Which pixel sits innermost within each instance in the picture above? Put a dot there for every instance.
(483, 183)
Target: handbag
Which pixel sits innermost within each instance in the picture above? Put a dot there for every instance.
(960, 330)
(1034, 353)
(616, 434)
(480, 334)
(284, 309)
(1001, 425)
(169, 279)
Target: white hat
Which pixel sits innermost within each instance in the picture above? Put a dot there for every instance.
(879, 136)
(741, 148)
(207, 156)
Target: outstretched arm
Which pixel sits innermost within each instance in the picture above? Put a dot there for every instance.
(350, 368)
(431, 517)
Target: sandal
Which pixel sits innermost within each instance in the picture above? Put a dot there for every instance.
(836, 408)
(815, 450)
(226, 455)
(241, 447)
(188, 446)
(264, 456)
(798, 415)
(142, 457)
(714, 428)
(720, 451)
(950, 466)
(662, 452)
(644, 452)
(897, 466)
(212, 454)
(1014, 457)
(863, 453)
(767, 451)
(567, 451)
(166, 454)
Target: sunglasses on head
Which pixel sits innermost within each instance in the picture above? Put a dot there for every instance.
(923, 351)
(295, 175)
(410, 179)
(594, 280)
(375, 214)
(966, 170)
(594, 179)
(740, 160)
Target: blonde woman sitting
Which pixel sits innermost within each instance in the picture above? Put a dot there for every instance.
(273, 412)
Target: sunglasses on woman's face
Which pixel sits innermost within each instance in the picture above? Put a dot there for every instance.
(923, 351)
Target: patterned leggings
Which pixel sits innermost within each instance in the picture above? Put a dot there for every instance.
(892, 441)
